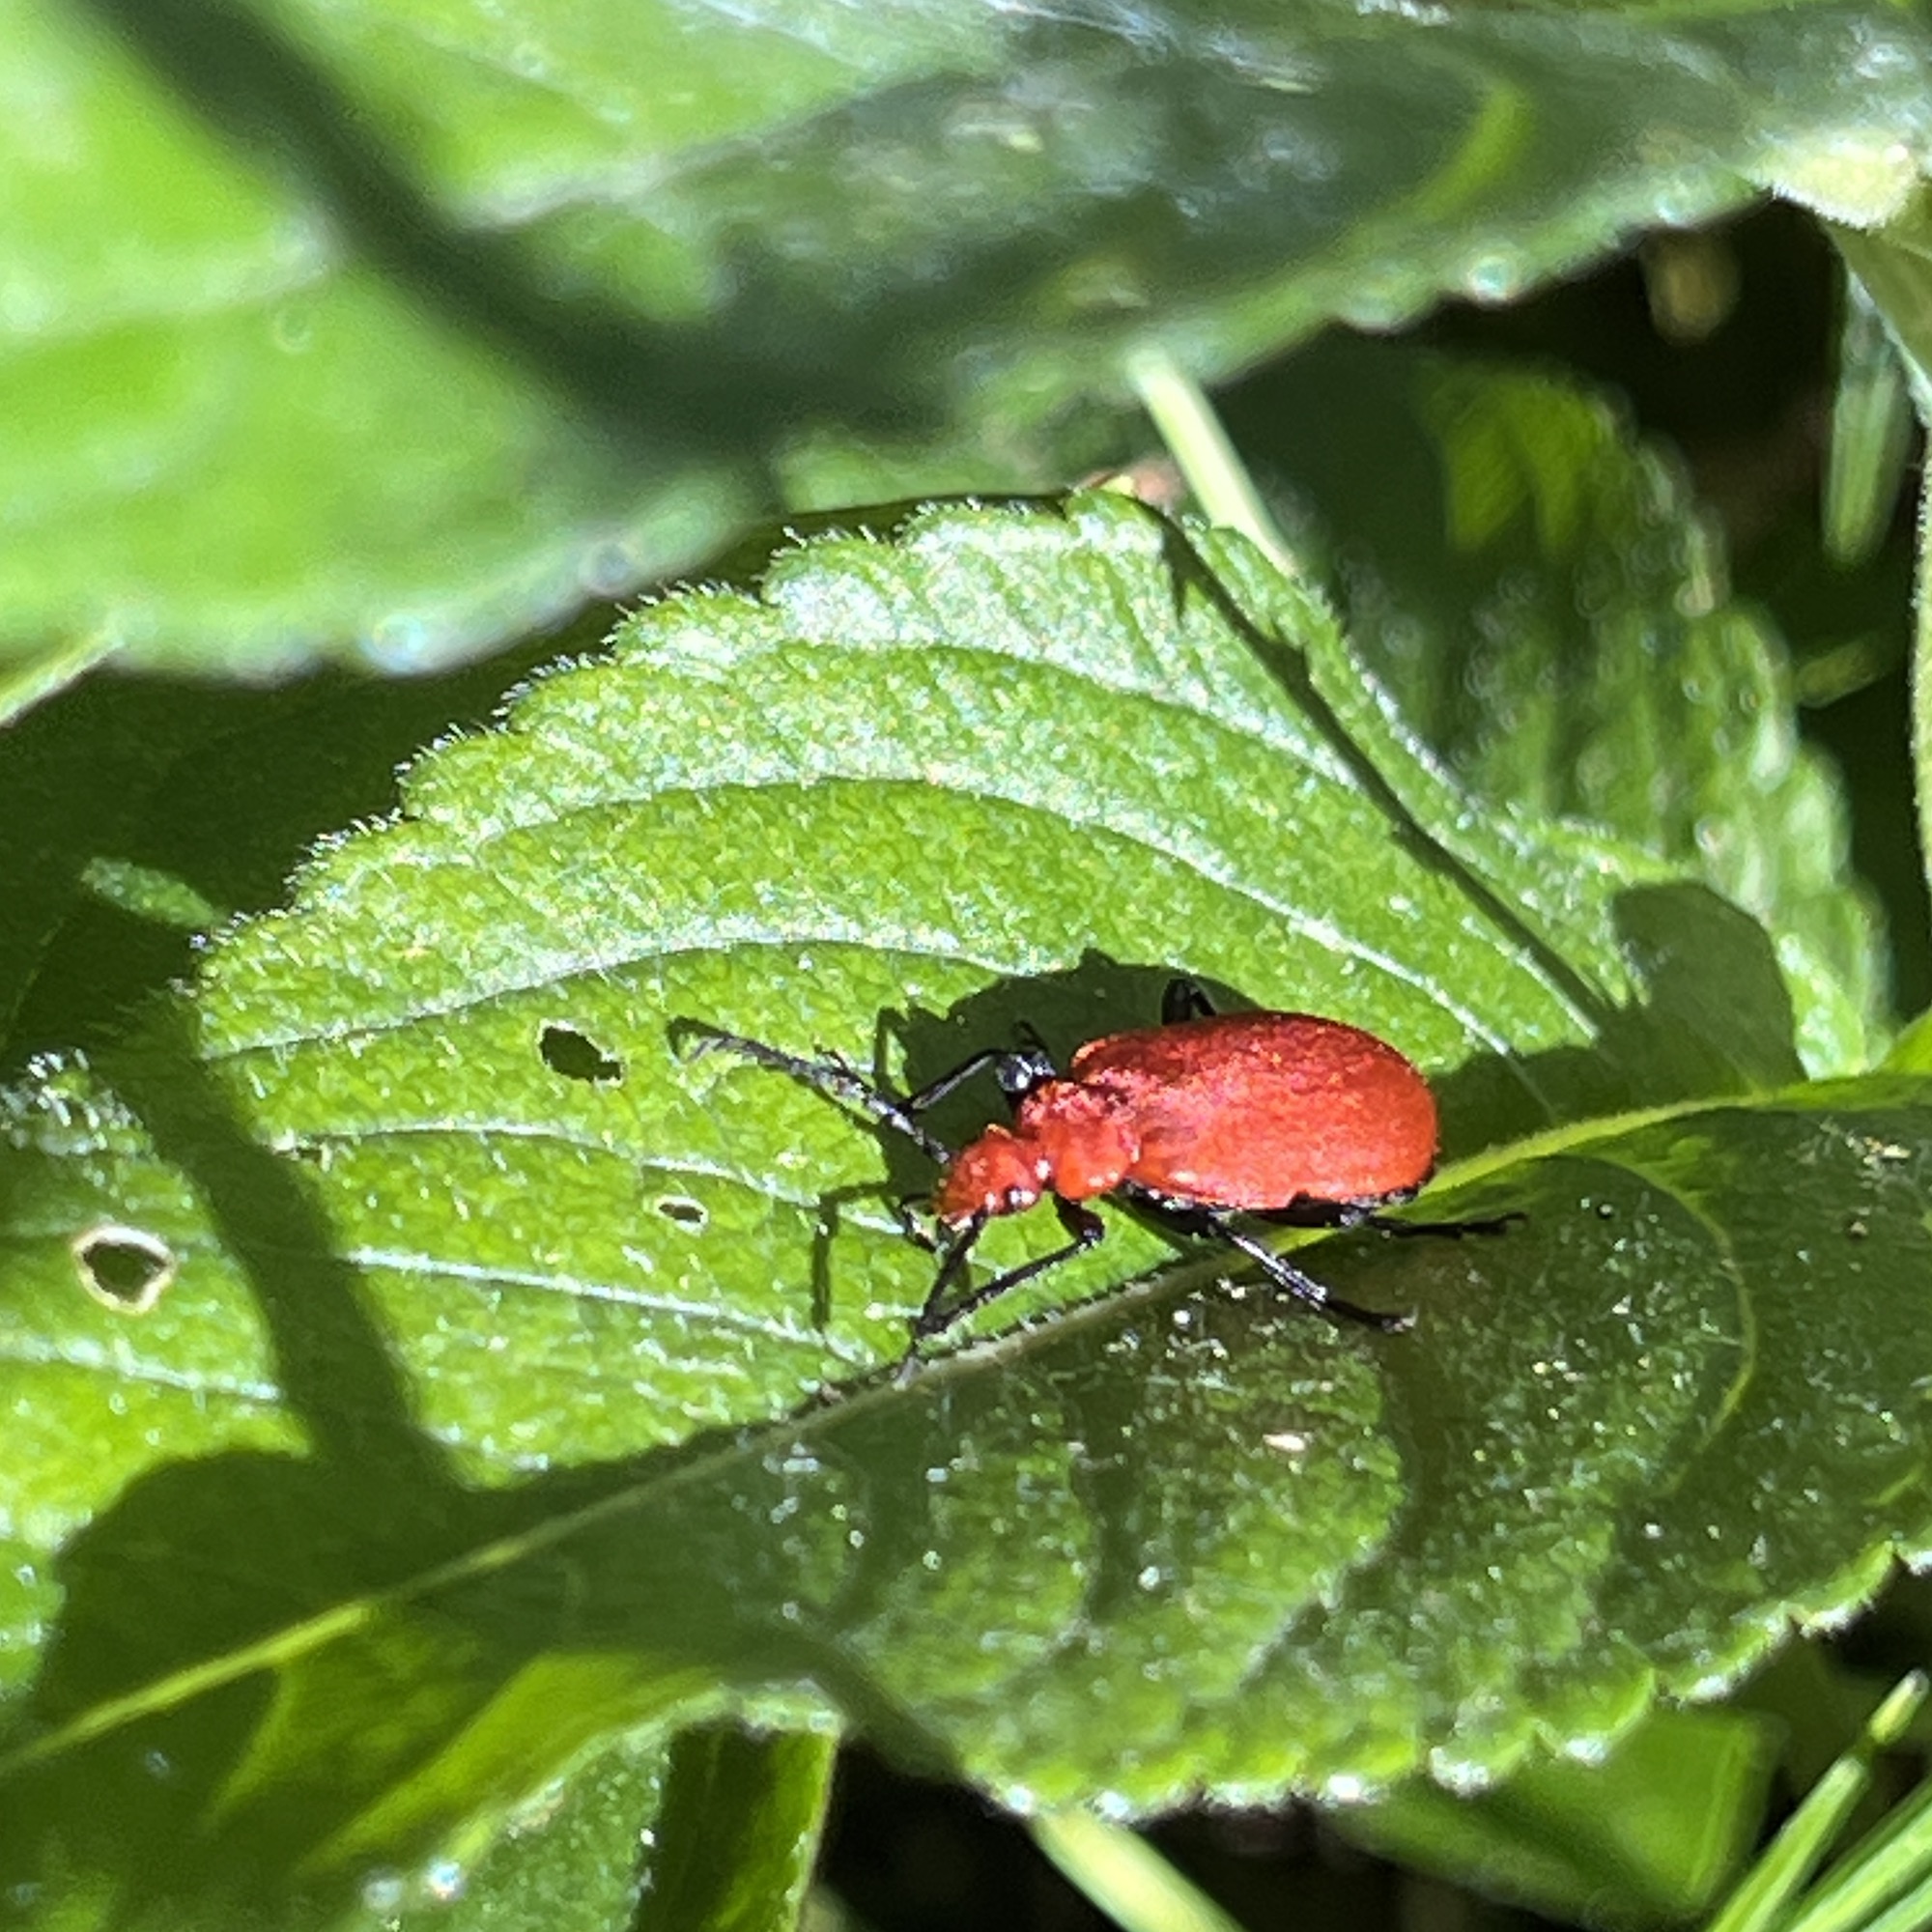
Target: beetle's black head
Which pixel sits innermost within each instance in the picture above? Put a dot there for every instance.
(1023, 1070)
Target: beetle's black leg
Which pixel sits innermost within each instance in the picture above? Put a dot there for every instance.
(1305, 1214)
(907, 1211)
(1305, 1287)
(932, 1317)
(1219, 1224)
(1084, 1228)
(1493, 1224)
(1184, 998)
(1342, 1214)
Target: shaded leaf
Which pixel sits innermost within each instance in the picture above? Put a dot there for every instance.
(574, 1860)
(389, 330)
(1541, 593)
(1872, 434)
(733, 1850)
(1646, 1835)
(136, 814)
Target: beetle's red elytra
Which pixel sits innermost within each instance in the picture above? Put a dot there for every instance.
(1194, 1123)
(1252, 1111)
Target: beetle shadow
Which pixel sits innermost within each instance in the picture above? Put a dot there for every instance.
(828, 1221)
(1065, 1009)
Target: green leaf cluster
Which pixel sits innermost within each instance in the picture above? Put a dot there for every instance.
(452, 1428)
(381, 332)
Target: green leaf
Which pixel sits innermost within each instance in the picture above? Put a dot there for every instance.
(420, 1374)
(1871, 442)
(1894, 267)
(386, 330)
(1888, 1859)
(575, 1858)
(1646, 1834)
(1542, 594)
(733, 1848)
(713, 1828)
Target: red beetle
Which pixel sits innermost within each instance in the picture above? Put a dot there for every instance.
(1203, 1118)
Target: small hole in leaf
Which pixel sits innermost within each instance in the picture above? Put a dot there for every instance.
(576, 1055)
(681, 1208)
(122, 1268)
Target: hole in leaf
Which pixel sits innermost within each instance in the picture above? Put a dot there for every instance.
(681, 1208)
(122, 1268)
(574, 1054)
